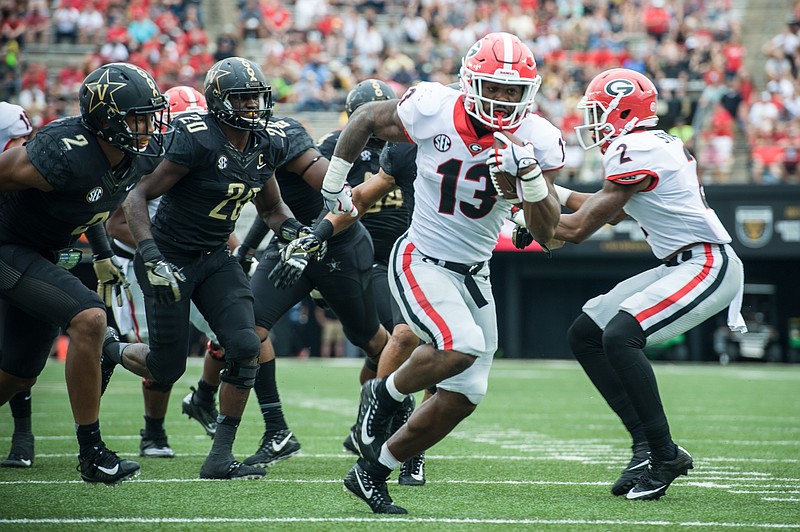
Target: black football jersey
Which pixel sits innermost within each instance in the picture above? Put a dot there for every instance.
(390, 216)
(86, 190)
(200, 211)
(304, 201)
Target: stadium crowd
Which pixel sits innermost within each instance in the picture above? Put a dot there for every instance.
(314, 51)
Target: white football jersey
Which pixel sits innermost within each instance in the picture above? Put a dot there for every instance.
(672, 212)
(457, 214)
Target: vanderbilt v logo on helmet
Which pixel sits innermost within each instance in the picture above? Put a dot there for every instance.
(238, 94)
(116, 91)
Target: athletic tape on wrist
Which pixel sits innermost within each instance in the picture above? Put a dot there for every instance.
(563, 194)
(534, 190)
(336, 175)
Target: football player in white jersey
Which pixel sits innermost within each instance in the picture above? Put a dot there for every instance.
(653, 177)
(441, 265)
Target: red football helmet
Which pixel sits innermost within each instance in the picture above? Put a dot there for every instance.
(499, 58)
(615, 103)
(184, 99)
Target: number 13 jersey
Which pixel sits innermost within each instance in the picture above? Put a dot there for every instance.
(457, 214)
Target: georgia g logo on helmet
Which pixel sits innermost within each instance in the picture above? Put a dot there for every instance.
(619, 87)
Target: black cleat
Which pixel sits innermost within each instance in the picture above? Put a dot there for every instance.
(373, 422)
(204, 413)
(102, 466)
(412, 472)
(21, 454)
(402, 414)
(155, 445)
(348, 445)
(372, 491)
(230, 469)
(636, 467)
(659, 475)
(275, 448)
(107, 364)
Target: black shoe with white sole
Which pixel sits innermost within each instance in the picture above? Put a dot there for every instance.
(659, 475)
(100, 465)
(372, 491)
(412, 472)
(635, 469)
(274, 448)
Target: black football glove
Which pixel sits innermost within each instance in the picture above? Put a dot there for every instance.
(294, 259)
(162, 276)
(246, 259)
(521, 237)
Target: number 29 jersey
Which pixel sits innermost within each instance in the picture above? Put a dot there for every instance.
(457, 214)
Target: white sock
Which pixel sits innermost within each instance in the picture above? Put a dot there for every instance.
(387, 458)
(392, 389)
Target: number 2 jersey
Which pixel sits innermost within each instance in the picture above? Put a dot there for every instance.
(86, 190)
(457, 214)
(200, 211)
(672, 211)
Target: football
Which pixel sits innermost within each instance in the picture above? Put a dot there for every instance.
(505, 183)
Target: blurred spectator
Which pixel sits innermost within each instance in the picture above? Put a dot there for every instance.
(227, 46)
(91, 24)
(763, 113)
(331, 342)
(65, 22)
(141, 29)
(38, 21)
(250, 21)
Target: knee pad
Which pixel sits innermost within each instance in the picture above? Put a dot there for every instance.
(584, 336)
(150, 384)
(242, 345)
(240, 373)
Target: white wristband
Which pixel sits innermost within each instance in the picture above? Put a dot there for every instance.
(534, 190)
(336, 175)
(563, 194)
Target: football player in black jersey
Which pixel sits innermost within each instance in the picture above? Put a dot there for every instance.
(217, 162)
(15, 129)
(65, 182)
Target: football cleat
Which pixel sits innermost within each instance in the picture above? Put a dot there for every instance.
(402, 414)
(204, 413)
(21, 454)
(100, 465)
(412, 472)
(348, 445)
(229, 469)
(275, 448)
(659, 475)
(107, 364)
(635, 469)
(372, 424)
(372, 491)
(155, 445)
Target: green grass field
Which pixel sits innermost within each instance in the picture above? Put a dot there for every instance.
(539, 453)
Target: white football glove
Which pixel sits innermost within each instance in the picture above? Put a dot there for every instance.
(513, 159)
(340, 202)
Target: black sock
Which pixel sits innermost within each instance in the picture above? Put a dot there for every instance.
(269, 401)
(154, 426)
(224, 437)
(88, 436)
(205, 392)
(20, 405)
(624, 342)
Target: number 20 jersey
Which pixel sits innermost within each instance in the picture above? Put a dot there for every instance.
(200, 211)
(457, 214)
